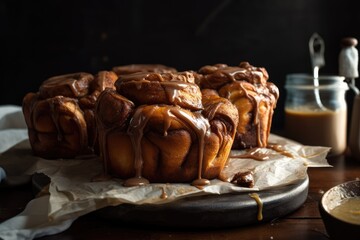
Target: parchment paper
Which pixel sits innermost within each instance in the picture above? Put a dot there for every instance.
(73, 193)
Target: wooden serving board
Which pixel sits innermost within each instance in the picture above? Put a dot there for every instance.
(208, 211)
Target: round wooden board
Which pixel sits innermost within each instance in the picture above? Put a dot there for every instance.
(208, 211)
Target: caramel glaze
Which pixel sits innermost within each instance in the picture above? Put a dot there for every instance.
(254, 153)
(200, 126)
(73, 85)
(134, 68)
(54, 104)
(280, 149)
(163, 193)
(256, 197)
(136, 131)
(193, 121)
(186, 77)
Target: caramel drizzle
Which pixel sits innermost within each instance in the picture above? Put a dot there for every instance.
(163, 193)
(198, 125)
(172, 90)
(103, 152)
(55, 117)
(254, 153)
(280, 149)
(253, 99)
(231, 75)
(54, 104)
(102, 134)
(136, 132)
(211, 112)
(256, 120)
(256, 197)
(70, 80)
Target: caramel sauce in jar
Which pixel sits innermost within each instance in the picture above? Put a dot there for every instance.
(318, 128)
(317, 115)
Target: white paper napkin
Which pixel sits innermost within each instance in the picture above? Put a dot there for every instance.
(12, 126)
(33, 222)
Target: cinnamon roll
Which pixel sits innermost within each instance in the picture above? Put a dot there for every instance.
(60, 116)
(255, 98)
(176, 135)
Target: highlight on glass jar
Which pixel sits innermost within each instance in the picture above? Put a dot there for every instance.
(316, 115)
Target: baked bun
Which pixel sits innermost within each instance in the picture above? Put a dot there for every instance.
(144, 68)
(167, 88)
(180, 136)
(255, 98)
(60, 116)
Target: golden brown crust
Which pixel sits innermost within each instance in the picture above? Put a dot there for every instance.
(113, 110)
(161, 88)
(144, 68)
(219, 108)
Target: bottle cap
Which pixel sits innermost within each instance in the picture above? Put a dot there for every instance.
(349, 42)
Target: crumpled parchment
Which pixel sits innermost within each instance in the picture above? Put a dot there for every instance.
(73, 193)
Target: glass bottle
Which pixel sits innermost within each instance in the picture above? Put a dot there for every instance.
(316, 115)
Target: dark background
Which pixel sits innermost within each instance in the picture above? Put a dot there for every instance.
(40, 39)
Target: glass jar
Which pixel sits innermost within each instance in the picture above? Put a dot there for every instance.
(316, 116)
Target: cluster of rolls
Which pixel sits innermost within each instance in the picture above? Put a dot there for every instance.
(151, 123)
(60, 117)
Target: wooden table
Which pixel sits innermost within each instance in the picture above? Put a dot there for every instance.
(304, 223)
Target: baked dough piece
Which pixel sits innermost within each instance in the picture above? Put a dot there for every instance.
(60, 116)
(56, 126)
(247, 87)
(167, 88)
(170, 139)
